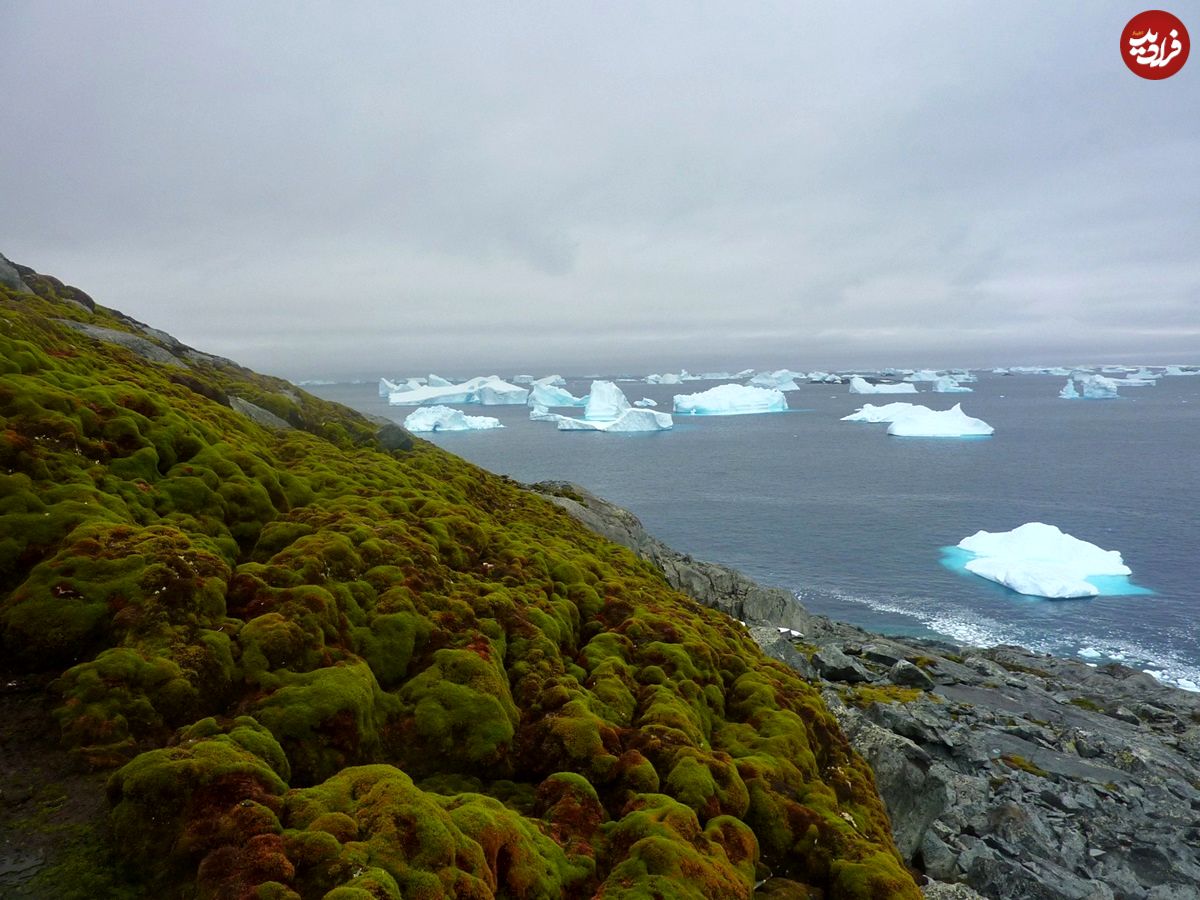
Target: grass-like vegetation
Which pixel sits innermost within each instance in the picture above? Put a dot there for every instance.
(316, 668)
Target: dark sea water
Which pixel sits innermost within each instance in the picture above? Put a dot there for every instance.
(855, 522)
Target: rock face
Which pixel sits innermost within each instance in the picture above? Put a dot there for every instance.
(10, 277)
(1019, 775)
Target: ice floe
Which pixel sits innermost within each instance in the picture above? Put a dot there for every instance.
(630, 420)
(489, 390)
(886, 413)
(944, 384)
(780, 380)
(923, 422)
(1089, 387)
(443, 418)
(645, 401)
(859, 385)
(549, 395)
(1041, 560)
(731, 400)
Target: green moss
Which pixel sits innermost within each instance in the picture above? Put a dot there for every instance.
(1019, 762)
(863, 696)
(1086, 703)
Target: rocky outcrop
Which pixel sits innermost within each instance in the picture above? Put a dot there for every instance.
(10, 277)
(143, 347)
(263, 417)
(1017, 775)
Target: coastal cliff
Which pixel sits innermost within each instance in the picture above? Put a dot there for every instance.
(1019, 774)
(256, 645)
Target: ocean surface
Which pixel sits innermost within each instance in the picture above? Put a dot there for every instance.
(855, 522)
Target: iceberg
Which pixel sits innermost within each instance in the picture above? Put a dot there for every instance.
(947, 385)
(922, 375)
(664, 379)
(541, 414)
(780, 380)
(825, 378)
(605, 402)
(551, 381)
(436, 381)
(548, 395)
(886, 413)
(488, 390)
(631, 420)
(386, 387)
(1089, 387)
(923, 422)
(645, 401)
(1177, 371)
(522, 379)
(731, 400)
(859, 385)
(443, 418)
(1040, 560)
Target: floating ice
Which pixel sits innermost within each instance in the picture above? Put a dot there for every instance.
(540, 413)
(437, 381)
(824, 378)
(605, 402)
(1040, 560)
(489, 390)
(886, 413)
(731, 400)
(860, 385)
(780, 380)
(628, 421)
(668, 378)
(551, 381)
(923, 422)
(443, 418)
(1177, 371)
(1089, 387)
(944, 384)
(922, 375)
(645, 401)
(548, 395)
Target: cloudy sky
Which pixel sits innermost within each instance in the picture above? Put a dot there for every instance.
(606, 186)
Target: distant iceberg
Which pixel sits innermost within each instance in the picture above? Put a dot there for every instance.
(548, 395)
(1089, 387)
(443, 418)
(944, 384)
(437, 381)
(631, 420)
(1041, 561)
(605, 402)
(886, 413)
(922, 375)
(1177, 371)
(551, 381)
(780, 380)
(731, 400)
(488, 390)
(859, 385)
(644, 402)
(923, 422)
(542, 414)
(825, 378)
(667, 378)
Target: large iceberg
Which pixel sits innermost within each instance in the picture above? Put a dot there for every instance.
(605, 402)
(886, 413)
(488, 390)
(731, 400)
(628, 421)
(1089, 387)
(1040, 560)
(548, 395)
(859, 385)
(443, 418)
(944, 384)
(923, 422)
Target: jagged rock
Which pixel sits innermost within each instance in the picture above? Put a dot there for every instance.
(143, 347)
(906, 674)
(778, 647)
(834, 665)
(936, 890)
(10, 277)
(263, 417)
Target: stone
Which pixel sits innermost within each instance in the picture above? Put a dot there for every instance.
(906, 674)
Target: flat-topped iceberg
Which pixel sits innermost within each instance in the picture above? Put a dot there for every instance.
(549, 395)
(605, 402)
(1089, 387)
(780, 380)
(860, 385)
(886, 413)
(922, 375)
(488, 390)
(630, 420)
(944, 384)
(668, 378)
(1041, 560)
(443, 418)
(731, 400)
(921, 421)
(550, 381)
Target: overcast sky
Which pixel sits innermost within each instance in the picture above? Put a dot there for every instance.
(609, 187)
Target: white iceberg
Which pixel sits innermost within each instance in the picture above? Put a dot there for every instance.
(922, 375)
(551, 381)
(540, 413)
(1040, 560)
(628, 421)
(1090, 387)
(645, 401)
(780, 380)
(437, 381)
(489, 390)
(923, 422)
(859, 385)
(386, 387)
(605, 402)
(731, 400)
(1177, 371)
(947, 385)
(522, 379)
(548, 395)
(825, 378)
(886, 413)
(443, 418)
(1069, 391)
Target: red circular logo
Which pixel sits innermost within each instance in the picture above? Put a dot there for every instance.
(1155, 44)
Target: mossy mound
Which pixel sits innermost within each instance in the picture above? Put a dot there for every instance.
(269, 634)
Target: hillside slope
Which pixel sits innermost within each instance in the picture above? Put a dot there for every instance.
(322, 659)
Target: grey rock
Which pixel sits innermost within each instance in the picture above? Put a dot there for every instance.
(906, 674)
(394, 437)
(141, 346)
(263, 417)
(834, 665)
(10, 277)
(936, 890)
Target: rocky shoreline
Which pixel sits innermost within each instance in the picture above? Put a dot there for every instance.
(1018, 775)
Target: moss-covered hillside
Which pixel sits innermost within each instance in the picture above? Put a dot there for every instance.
(310, 666)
